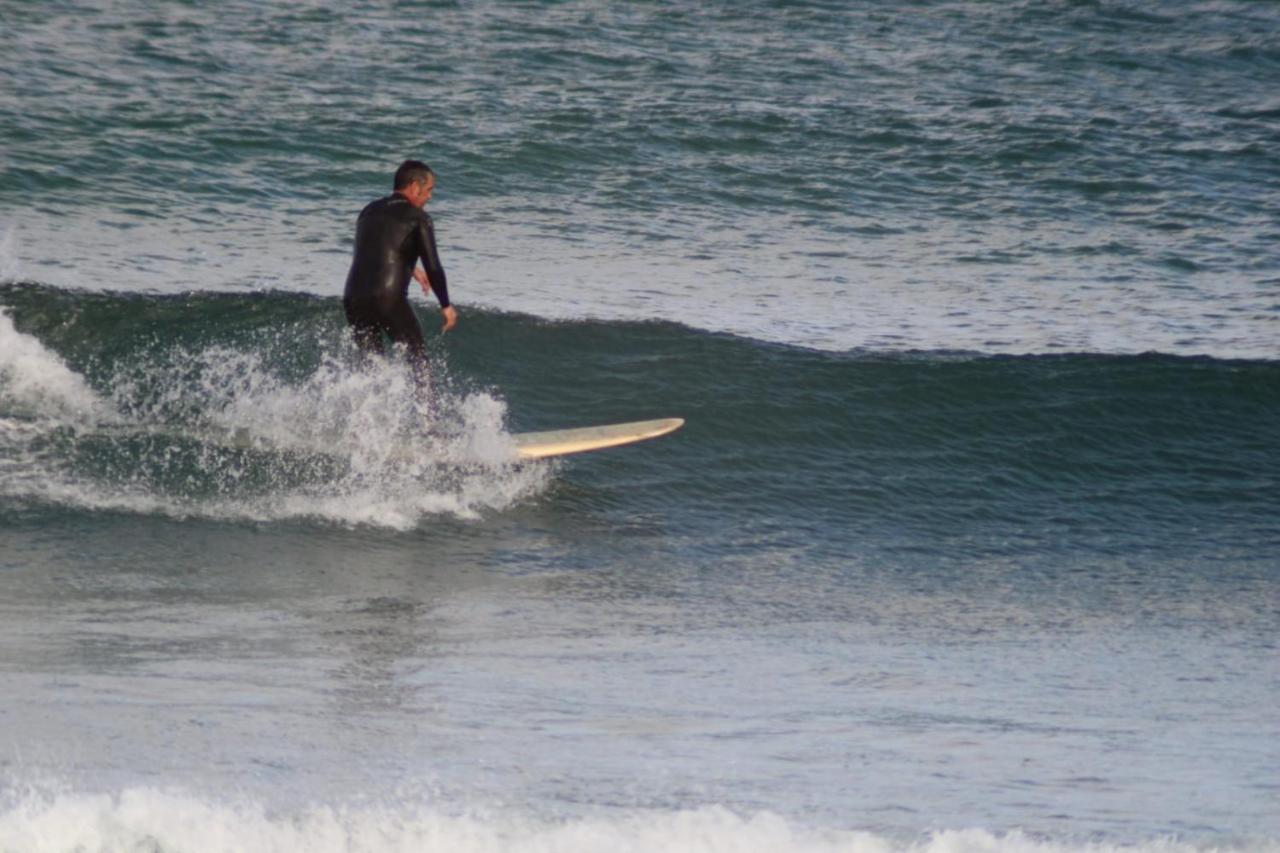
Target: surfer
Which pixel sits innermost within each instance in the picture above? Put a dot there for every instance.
(392, 235)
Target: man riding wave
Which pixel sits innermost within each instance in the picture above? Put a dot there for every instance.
(392, 235)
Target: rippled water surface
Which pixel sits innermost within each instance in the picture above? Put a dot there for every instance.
(969, 542)
(999, 177)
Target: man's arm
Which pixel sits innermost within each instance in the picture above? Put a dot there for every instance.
(434, 276)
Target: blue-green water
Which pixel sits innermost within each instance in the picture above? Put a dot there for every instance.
(971, 541)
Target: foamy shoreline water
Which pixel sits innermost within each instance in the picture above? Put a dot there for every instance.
(166, 821)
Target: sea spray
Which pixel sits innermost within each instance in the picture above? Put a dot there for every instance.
(35, 382)
(230, 433)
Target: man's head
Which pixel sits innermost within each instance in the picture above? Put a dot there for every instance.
(415, 181)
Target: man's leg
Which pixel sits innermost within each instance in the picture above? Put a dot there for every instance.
(403, 326)
(366, 330)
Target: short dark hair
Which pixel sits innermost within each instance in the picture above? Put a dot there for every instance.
(411, 172)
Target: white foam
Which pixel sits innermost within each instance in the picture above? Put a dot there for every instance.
(344, 444)
(158, 821)
(404, 457)
(35, 379)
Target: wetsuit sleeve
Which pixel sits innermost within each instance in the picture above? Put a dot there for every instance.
(431, 260)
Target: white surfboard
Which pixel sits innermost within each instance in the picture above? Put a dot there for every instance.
(562, 442)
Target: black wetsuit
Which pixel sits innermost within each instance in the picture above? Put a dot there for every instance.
(391, 235)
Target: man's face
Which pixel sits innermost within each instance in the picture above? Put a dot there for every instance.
(420, 193)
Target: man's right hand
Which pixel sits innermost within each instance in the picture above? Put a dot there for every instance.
(450, 318)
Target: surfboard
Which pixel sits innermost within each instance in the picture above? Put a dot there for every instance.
(562, 442)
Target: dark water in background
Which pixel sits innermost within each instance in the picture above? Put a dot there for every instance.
(1014, 177)
(971, 309)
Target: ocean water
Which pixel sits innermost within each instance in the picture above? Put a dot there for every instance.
(971, 541)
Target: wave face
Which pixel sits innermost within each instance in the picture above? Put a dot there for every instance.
(132, 397)
(1002, 178)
